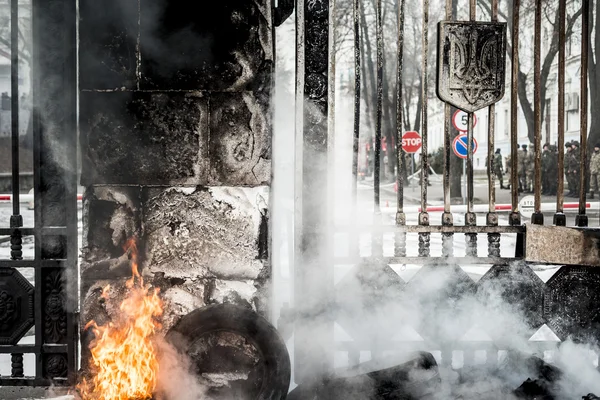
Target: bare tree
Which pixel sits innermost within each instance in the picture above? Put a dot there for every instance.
(24, 31)
(412, 85)
(550, 12)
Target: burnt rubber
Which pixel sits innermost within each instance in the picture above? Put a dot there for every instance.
(248, 324)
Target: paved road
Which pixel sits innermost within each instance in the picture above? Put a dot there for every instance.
(412, 197)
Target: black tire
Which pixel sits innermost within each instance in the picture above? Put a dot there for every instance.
(248, 324)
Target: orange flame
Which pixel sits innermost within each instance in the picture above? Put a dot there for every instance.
(124, 357)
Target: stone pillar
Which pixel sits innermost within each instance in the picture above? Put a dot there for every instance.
(176, 149)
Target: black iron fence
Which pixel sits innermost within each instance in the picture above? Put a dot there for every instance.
(484, 80)
(43, 308)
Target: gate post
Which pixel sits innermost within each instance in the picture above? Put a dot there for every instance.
(176, 150)
(55, 180)
(313, 269)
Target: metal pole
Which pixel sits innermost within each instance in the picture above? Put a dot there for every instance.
(412, 169)
(582, 219)
(377, 161)
(559, 217)
(424, 238)
(470, 218)
(515, 217)
(356, 137)
(16, 220)
(400, 237)
(463, 191)
(537, 217)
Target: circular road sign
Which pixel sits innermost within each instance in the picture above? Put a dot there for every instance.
(526, 206)
(459, 145)
(460, 120)
(411, 142)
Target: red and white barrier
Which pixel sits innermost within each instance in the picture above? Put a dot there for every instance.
(484, 208)
(24, 198)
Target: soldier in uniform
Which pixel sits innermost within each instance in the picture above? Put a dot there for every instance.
(530, 169)
(553, 170)
(574, 168)
(568, 177)
(521, 155)
(508, 164)
(498, 168)
(546, 177)
(594, 170)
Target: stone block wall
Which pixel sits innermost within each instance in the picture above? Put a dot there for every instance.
(175, 133)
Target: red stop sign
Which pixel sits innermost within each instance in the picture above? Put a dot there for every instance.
(411, 142)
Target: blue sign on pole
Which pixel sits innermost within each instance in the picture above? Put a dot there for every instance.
(459, 145)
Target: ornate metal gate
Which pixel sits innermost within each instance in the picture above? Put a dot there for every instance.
(38, 311)
(566, 303)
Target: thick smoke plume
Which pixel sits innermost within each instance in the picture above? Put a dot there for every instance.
(432, 310)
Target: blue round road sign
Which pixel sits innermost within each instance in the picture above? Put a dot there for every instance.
(459, 145)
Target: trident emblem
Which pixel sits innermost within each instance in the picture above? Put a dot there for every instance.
(471, 63)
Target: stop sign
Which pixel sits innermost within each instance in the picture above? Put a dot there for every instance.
(411, 142)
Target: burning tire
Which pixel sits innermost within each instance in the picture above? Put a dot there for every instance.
(235, 352)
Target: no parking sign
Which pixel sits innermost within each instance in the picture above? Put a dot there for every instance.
(459, 145)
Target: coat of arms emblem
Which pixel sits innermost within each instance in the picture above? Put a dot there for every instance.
(471, 63)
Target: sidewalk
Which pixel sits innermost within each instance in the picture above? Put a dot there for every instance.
(435, 192)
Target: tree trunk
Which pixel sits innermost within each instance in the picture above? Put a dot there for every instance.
(388, 127)
(370, 78)
(417, 124)
(407, 97)
(526, 106)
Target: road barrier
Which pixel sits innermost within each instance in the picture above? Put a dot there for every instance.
(484, 208)
(24, 198)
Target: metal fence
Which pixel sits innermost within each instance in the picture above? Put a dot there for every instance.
(48, 305)
(552, 302)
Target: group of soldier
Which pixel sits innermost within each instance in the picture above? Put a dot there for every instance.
(549, 171)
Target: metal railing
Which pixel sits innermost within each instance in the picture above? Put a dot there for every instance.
(314, 226)
(49, 305)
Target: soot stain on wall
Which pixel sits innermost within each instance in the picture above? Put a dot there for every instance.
(175, 121)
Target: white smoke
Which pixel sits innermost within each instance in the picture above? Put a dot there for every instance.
(176, 379)
(474, 327)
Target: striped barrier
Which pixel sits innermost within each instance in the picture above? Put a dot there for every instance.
(484, 208)
(24, 198)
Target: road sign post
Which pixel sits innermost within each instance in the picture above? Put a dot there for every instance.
(459, 146)
(463, 186)
(527, 206)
